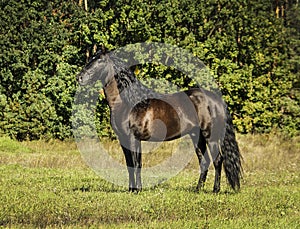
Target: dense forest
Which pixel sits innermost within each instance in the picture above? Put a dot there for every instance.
(251, 47)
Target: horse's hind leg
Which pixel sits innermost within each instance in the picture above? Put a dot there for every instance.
(218, 160)
(203, 158)
(218, 168)
(204, 164)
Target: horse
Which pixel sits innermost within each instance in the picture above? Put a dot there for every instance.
(135, 110)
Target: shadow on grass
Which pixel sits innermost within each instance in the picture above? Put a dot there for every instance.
(108, 188)
(99, 185)
(205, 191)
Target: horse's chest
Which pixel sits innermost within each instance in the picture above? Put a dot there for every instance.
(141, 123)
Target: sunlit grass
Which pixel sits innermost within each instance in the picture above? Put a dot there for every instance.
(48, 184)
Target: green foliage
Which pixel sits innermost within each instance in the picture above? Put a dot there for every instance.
(251, 48)
(38, 64)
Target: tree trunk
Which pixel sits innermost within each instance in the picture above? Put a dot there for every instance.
(85, 5)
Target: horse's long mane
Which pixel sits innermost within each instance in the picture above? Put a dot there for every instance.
(130, 88)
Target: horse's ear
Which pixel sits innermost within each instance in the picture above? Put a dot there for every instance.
(104, 50)
(101, 51)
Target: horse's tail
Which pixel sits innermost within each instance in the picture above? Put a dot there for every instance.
(231, 155)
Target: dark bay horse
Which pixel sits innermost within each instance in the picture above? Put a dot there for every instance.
(135, 109)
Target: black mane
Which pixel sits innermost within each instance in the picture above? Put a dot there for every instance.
(130, 88)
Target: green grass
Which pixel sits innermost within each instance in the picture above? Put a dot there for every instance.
(47, 184)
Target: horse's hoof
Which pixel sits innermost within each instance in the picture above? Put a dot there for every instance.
(216, 190)
(135, 190)
(198, 189)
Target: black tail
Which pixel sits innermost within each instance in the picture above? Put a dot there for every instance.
(231, 155)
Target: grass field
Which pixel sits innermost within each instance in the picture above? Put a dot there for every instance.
(47, 184)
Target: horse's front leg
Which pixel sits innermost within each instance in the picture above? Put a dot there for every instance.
(138, 165)
(133, 156)
(130, 167)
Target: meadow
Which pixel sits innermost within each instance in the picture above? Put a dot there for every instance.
(48, 185)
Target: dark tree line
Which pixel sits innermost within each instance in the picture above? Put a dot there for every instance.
(251, 47)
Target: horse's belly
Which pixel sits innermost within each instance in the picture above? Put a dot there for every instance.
(159, 122)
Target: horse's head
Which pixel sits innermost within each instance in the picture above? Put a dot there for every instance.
(100, 67)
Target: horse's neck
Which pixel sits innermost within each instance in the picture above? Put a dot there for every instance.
(112, 93)
(125, 90)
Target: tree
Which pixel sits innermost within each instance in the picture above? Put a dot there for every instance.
(251, 48)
